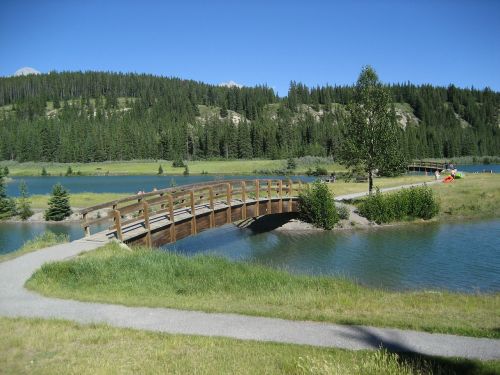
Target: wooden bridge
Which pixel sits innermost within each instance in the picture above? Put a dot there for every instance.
(167, 215)
(426, 166)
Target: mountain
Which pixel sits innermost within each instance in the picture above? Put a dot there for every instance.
(25, 71)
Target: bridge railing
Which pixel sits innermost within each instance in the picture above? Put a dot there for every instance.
(143, 208)
(427, 164)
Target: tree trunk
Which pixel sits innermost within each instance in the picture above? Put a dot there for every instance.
(370, 181)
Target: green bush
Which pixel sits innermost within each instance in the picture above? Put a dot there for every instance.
(316, 206)
(343, 212)
(407, 204)
(178, 163)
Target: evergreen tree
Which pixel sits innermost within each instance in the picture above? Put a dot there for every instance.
(59, 207)
(6, 171)
(370, 139)
(160, 169)
(7, 205)
(24, 204)
(44, 172)
(69, 171)
(186, 171)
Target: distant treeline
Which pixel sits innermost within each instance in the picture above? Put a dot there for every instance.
(93, 116)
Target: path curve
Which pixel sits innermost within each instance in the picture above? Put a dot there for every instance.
(16, 301)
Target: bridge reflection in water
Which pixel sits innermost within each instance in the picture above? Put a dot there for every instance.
(167, 215)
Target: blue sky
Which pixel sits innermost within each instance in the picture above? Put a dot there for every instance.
(259, 42)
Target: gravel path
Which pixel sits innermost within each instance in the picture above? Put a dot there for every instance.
(15, 301)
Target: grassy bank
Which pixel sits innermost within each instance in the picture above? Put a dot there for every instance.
(475, 196)
(58, 347)
(154, 278)
(39, 242)
(150, 167)
(342, 188)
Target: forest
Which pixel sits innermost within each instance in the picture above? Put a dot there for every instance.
(99, 116)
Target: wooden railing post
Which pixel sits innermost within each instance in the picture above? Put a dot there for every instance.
(280, 193)
(145, 207)
(86, 228)
(172, 218)
(244, 199)
(118, 225)
(212, 207)
(193, 213)
(228, 192)
(257, 198)
(290, 194)
(269, 203)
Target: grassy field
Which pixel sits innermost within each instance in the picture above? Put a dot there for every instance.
(475, 196)
(151, 167)
(44, 240)
(154, 278)
(57, 347)
(78, 200)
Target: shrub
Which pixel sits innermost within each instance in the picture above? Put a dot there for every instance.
(7, 205)
(69, 171)
(44, 172)
(160, 169)
(416, 202)
(59, 207)
(316, 206)
(319, 171)
(178, 163)
(186, 171)
(343, 212)
(291, 164)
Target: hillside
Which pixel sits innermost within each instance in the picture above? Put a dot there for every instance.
(94, 116)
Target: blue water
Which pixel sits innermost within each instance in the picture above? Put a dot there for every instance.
(117, 184)
(459, 257)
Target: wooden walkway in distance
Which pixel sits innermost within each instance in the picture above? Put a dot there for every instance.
(165, 216)
(426, 166)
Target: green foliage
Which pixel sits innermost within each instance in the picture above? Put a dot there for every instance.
(7, 205)
(59, 207)
(186, 171)
(318, 171)
(69, 171)
(291, 164)
(44, 172)
(316, 206)
(160, 169)
(406, 204)
(343, 212)
(6, 171)
(178, 163)
(371, 137)
(24, 204)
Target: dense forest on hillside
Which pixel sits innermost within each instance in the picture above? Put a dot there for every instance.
(96, 116)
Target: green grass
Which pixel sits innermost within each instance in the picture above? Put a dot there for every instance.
(149, 167)
(78, 200)
(475, 196)
(154, 278)
(57, 347)
(342, 188)
(39, 242)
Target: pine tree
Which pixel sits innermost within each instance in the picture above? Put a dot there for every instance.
(160, 169)
(24, 204)
(69, 171)
(6, 171)
(7, 205)
(59, 207)
(44, 172)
